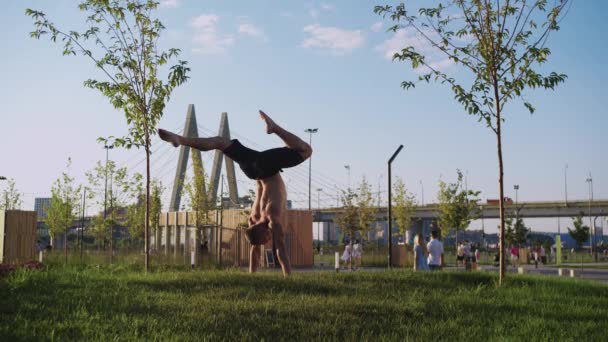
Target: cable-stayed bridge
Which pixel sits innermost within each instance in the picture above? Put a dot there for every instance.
(170, 166)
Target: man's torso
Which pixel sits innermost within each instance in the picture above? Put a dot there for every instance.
(273, 201)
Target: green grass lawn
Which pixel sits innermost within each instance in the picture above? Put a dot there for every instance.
(122, 303)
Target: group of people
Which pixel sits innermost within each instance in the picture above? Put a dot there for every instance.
(467, 253)
(354, 254)
(536, 254)
(428, 256)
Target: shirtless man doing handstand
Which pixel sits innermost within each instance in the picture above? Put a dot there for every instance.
(267, 217)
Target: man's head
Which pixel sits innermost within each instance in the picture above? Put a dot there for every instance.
(434, 234)
(258, 234)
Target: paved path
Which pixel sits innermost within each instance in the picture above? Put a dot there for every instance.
(596, 274)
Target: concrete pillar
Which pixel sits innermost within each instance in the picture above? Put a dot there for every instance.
(165, 234)
(194, 244)
(175, 237)
(190, 130)
(167, 230)
(157, 238)
(176, 240)
(186, 242)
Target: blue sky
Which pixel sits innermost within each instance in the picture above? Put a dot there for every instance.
(309, 64)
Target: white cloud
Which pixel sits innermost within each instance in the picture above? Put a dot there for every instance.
(206, 36)
(441, 64)
(169, 3)
(315, 11)
(410, 37)
(327, 7)
(205, 22)
(337, 40)
(251, 30)
(376, 27)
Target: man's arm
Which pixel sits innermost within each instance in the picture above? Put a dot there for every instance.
(256, 210)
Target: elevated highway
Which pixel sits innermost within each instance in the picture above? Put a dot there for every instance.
(491, 211)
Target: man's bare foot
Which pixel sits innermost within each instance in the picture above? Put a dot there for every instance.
(271, 127)
(169, 137)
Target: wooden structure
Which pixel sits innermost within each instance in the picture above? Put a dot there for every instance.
(400, 256)
(178, 235)
(17, 236)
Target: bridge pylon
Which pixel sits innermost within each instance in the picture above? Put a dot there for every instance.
(191, 130)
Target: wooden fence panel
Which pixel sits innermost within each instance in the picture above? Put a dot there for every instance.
(235, 247)
(2, 235)
(19, 238)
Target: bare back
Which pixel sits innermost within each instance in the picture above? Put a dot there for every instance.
(273, 201)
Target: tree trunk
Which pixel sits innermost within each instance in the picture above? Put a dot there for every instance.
(65, 245)
(147, 215)
(350, 259)
(501, 199)
(456, 250)
(112, 233)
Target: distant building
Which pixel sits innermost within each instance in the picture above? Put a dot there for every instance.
(41, 206)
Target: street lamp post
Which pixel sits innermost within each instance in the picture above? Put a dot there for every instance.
(105, 196)
(516, 187)
(483, 231)
(390, 205)
(318, 208)
(422, 191)
(310, 131)
(591, 227)
(347, 167)
(566, 184)
(4, 178)
(112, 218)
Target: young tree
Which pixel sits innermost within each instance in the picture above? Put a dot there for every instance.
(136, 215)
(197, 193)
(403, 206)
(11, 197)
(456, 206)
(121, 189)
(65, 197)
(516, 231)
(99, 228)
(580, 233)
(348, 218)
(135, 218)
(509, 232)
(520, 231)
(501, 44)
(156, 206)
(366, 209)
(121, 39)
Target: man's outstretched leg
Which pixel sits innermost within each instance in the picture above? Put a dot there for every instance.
(202, 144)
(290, 139)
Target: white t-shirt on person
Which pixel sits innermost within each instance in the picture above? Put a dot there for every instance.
(435, 248)
(356, 250)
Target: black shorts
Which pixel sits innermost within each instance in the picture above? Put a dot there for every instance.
(260, 165)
